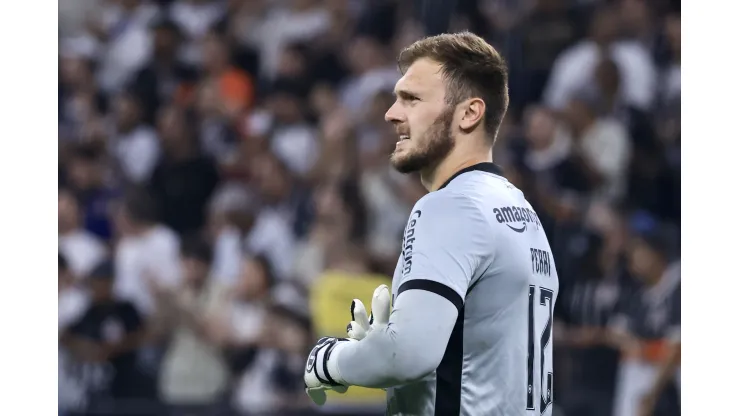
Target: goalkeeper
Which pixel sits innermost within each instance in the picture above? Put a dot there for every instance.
(475, 284)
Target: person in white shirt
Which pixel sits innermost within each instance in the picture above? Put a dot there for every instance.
(602, 143)
(82, 249)
(196, 18)
(194, 375)
(574, 68)
(147, 255)
(72, 303)
(302, 20)
(124, 40)
(373, 73)
(135, 145)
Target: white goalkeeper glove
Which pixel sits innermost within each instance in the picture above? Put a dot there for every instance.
(322, 373)
(381, 309)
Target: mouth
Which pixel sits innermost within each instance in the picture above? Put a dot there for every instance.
(403, 137)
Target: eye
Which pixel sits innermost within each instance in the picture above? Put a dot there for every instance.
(408, 97)
(411, 100)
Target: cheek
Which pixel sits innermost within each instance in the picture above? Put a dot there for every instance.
(418, 125)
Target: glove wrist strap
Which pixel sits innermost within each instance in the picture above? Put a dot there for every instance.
(331, 363)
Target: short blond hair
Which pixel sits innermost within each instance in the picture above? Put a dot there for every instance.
(471, 68)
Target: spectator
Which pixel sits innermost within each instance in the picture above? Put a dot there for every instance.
(588, 305)
(104, 342)
(136, 148)
(196, 18)
(545, 33)
(647, 329)
(82, 249)
(293, 139)
(72, 303)
(194, 376)
(165, 77)
(87, 171)
(300, 20)
(81, 101)
(634, 62)
(217, 132)
(122, 26)
(183, 179)
(234, 86)
(602, 146)
(331, 228)
(549, 153)
(243, 332)
(372, 72)
(272, 231)
(147, 254)
(231, 216)
(72, 300)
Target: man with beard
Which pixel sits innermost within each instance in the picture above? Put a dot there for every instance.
(475, 285)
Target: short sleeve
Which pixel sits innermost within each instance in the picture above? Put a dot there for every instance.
(444, 243)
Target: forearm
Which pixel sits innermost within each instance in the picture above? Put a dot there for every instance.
(409, 348)
(667, 369)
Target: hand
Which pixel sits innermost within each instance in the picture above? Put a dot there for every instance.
(381, 309)
(321, 369)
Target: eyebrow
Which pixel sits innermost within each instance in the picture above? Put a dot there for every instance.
(406, 95)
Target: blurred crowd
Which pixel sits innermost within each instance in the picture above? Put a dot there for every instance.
(225, 191)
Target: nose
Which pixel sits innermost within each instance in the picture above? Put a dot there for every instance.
(394, 114)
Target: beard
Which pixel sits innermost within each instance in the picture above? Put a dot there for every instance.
(436, 144)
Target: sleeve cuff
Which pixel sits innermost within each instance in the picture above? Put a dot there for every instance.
(332, 362)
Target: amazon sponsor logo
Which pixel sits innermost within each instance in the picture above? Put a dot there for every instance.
(517, 218)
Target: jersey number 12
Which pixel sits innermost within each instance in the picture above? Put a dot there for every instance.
(545, 299)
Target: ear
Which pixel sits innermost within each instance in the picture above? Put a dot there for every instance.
(473, 112)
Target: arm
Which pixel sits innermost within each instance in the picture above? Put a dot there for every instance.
(446, 243)
(667, 369)
(672, 360)
(409, 348)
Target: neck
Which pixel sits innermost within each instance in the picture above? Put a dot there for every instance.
(141, 229)
(435, 177)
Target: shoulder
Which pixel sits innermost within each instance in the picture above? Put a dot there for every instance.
(576, 54)
(446, 212)
(444, 203)
(165, 236)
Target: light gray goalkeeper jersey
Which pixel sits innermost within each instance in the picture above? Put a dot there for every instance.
(473, 297)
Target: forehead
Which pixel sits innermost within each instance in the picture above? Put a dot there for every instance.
(424, 76)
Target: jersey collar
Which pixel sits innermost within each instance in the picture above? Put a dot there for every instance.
(485, 167)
